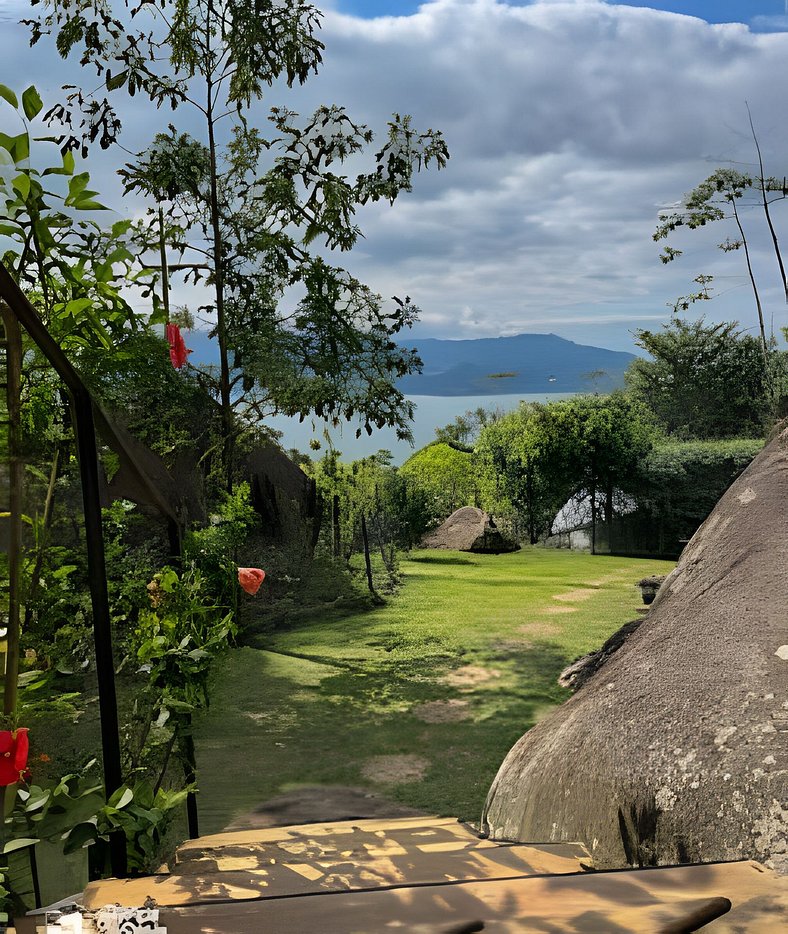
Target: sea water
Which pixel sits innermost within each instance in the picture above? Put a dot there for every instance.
(431, 412)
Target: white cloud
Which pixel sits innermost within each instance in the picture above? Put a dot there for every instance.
(568, 123)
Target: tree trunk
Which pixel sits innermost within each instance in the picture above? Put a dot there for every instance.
(218, 281)
(190, 774)
(529, 494)
(593, 515)
(751, 274)
(609, 515)
(367, 560)
(165, 276)
(335, 527)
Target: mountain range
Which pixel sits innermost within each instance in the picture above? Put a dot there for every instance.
(522, 363)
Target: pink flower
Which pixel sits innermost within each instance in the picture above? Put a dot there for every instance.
(250, 579)
(178, 351)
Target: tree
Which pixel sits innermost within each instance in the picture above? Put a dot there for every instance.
(445, 475)
(464, 431)
(715, 199)
(594, 445)
(264, 200)
(702, 381)
(705, 204)
(514, 456)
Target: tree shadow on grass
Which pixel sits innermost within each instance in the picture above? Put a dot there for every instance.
(437, 558)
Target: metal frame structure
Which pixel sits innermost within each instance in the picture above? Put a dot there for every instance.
(85, 414)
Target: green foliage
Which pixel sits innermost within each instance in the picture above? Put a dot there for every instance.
(704, 381)
(75, 811)
(373, 489)
(179, 637)
(465, 429)
(175, 166)
(706, 203)
(681, 482)
(444, 476)
(534, 459)
(214, 549)
(514, 455)
(166, 409)
(72, 268)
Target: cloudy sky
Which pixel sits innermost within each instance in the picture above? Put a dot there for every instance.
(569, 123)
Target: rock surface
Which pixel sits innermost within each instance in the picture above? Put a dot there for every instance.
(677, 749)
(469, 529)
(575, 675)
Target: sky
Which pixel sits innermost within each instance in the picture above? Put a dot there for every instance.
(570, 123)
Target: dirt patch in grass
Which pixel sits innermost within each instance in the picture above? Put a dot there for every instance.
(558, 610)
(442, 711)
(469, 676)
(394, 770)
(572, 596)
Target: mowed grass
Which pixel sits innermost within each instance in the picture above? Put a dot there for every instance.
(450, 673)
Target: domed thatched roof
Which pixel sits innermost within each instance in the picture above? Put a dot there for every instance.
(469, 529)
(676, 750)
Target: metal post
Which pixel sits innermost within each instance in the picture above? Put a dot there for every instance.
(13, 356)
(102, 630)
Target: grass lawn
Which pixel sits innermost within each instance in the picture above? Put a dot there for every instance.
(448, 674)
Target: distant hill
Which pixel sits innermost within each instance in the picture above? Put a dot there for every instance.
(524, 363)
(527, 363)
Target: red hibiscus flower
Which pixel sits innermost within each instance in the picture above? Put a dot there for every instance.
(250, 579)
(178, 351)
(14, 745)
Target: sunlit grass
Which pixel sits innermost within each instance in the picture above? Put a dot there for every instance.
(322, 699)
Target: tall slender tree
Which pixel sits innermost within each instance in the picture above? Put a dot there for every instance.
(264, 200)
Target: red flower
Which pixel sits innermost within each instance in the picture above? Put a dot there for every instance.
(250, 579)
(178, 351)
(13, 755)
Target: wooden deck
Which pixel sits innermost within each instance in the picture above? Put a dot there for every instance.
(435, 874)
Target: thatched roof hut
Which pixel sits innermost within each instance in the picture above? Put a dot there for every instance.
(676, 750)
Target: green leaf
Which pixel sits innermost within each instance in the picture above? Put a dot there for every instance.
(117, 81)
(21, 184)
(121, 798)
(77, 305)
(21, 148)
(17, 146)
(9, 230)
(89, 204)
(19, 844)
(26, 678)
(31, 102)
(8, 95)
(76, 185)
(81, 835)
